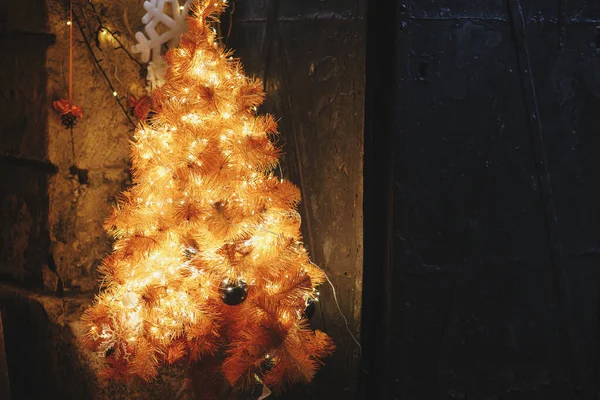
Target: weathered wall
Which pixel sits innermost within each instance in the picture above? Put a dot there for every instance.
(92, 162)
(54, 212)
(46, 359)
(311, 58)
(496, 278)
(24, 167)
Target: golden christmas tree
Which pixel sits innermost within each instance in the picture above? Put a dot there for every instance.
(208, 264)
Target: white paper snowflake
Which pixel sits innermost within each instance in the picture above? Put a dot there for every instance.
(150, 46)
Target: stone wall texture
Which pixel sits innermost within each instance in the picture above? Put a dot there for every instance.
(92, 161)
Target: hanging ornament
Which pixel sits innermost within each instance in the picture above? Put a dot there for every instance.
(233, 293)
(130, 300)
(141, 107)
(310, 309)
(69, 113)
(173, 24)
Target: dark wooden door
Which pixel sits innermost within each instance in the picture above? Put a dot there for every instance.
(496, 201)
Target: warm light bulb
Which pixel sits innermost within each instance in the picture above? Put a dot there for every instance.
(115, 93)
(68, 22)
(130, 300)
(198, 70)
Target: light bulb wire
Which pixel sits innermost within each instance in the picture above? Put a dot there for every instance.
(337, 303)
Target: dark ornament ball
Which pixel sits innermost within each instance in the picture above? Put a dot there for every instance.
(310, 309)
(109, 352)
(68, 120)
(233, 292)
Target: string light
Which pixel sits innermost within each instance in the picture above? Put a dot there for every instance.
(103, 30)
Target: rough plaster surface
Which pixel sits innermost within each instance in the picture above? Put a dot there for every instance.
(93, 161)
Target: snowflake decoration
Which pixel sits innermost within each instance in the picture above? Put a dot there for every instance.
(151, 45)
(115, 339)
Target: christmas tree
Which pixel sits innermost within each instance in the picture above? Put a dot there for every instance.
(208, 265)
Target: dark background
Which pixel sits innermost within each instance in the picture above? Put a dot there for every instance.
(492, 287)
